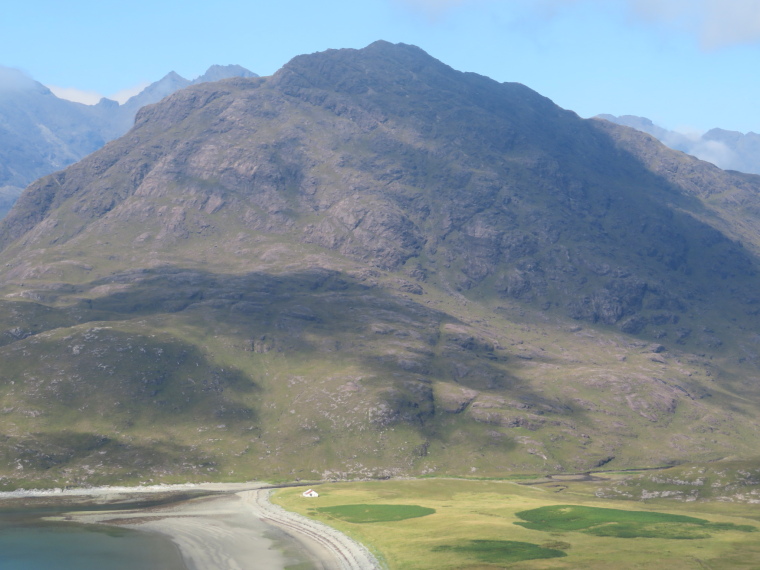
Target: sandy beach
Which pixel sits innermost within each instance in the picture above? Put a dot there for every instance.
(237, 528)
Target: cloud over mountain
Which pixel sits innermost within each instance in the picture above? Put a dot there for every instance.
(76, 95)
(717, 23)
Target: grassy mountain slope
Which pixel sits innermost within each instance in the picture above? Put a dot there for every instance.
(371, 264)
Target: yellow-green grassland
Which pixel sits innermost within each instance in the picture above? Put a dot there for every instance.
(476, 524)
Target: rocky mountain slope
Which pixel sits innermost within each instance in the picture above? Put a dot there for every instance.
(371, 264)
(41, 133)
(730, 150)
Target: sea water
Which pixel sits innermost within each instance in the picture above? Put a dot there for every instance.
(29, 543)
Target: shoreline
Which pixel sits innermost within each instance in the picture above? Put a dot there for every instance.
(234, 527)
(108, 490)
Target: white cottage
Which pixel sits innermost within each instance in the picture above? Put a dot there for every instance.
(310, 493)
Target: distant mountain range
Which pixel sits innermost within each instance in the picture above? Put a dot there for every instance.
(369, 265)
(729, 150)
(41, 133)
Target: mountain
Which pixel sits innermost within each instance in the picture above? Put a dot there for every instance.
(169, 84)
(153, 93)
(219, 72)
(370, 264)
(730, 150)
(41, 133)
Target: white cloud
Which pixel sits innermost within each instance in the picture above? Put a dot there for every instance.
(731, 22)
(123, 95)
(691, 141)
(436, 5)
(717, 23)
(716, 152)
(93, 97)
(434, 9)
(76, 95)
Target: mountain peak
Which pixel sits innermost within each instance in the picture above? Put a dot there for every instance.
(12, 79)
(218, 72)
(377, 63)
(171, 80)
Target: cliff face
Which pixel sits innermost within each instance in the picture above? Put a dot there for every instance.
(370, 246)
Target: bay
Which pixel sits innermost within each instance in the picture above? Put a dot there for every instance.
(29, 543)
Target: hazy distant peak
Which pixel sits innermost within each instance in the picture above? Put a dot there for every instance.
(171, 79)
(638, 123)
(172, 76)
(730, 150)
(724, 135)
(218, 72)
(12, 79)
(154, 92)
(105, 102)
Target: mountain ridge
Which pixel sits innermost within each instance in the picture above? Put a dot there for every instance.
(42, 133)
(729, 150)
(370, 264)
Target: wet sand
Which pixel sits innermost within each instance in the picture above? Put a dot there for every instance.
(236, 529)
(330, 548)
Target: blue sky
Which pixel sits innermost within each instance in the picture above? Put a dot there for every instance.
(682, 63)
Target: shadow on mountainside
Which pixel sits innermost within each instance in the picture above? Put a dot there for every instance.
(140, 349)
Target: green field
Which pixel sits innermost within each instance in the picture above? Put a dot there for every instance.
(500, 524)
(501, 551)
(621, 523)
(375, 513)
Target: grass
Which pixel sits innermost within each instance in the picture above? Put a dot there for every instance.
(502, 551)
(375, 513)
(473, 527)
(400, 370)
(621, 523)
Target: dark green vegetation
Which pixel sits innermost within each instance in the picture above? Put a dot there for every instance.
(376, 513)
(621, 524)
(371, 265)
(502, 551)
